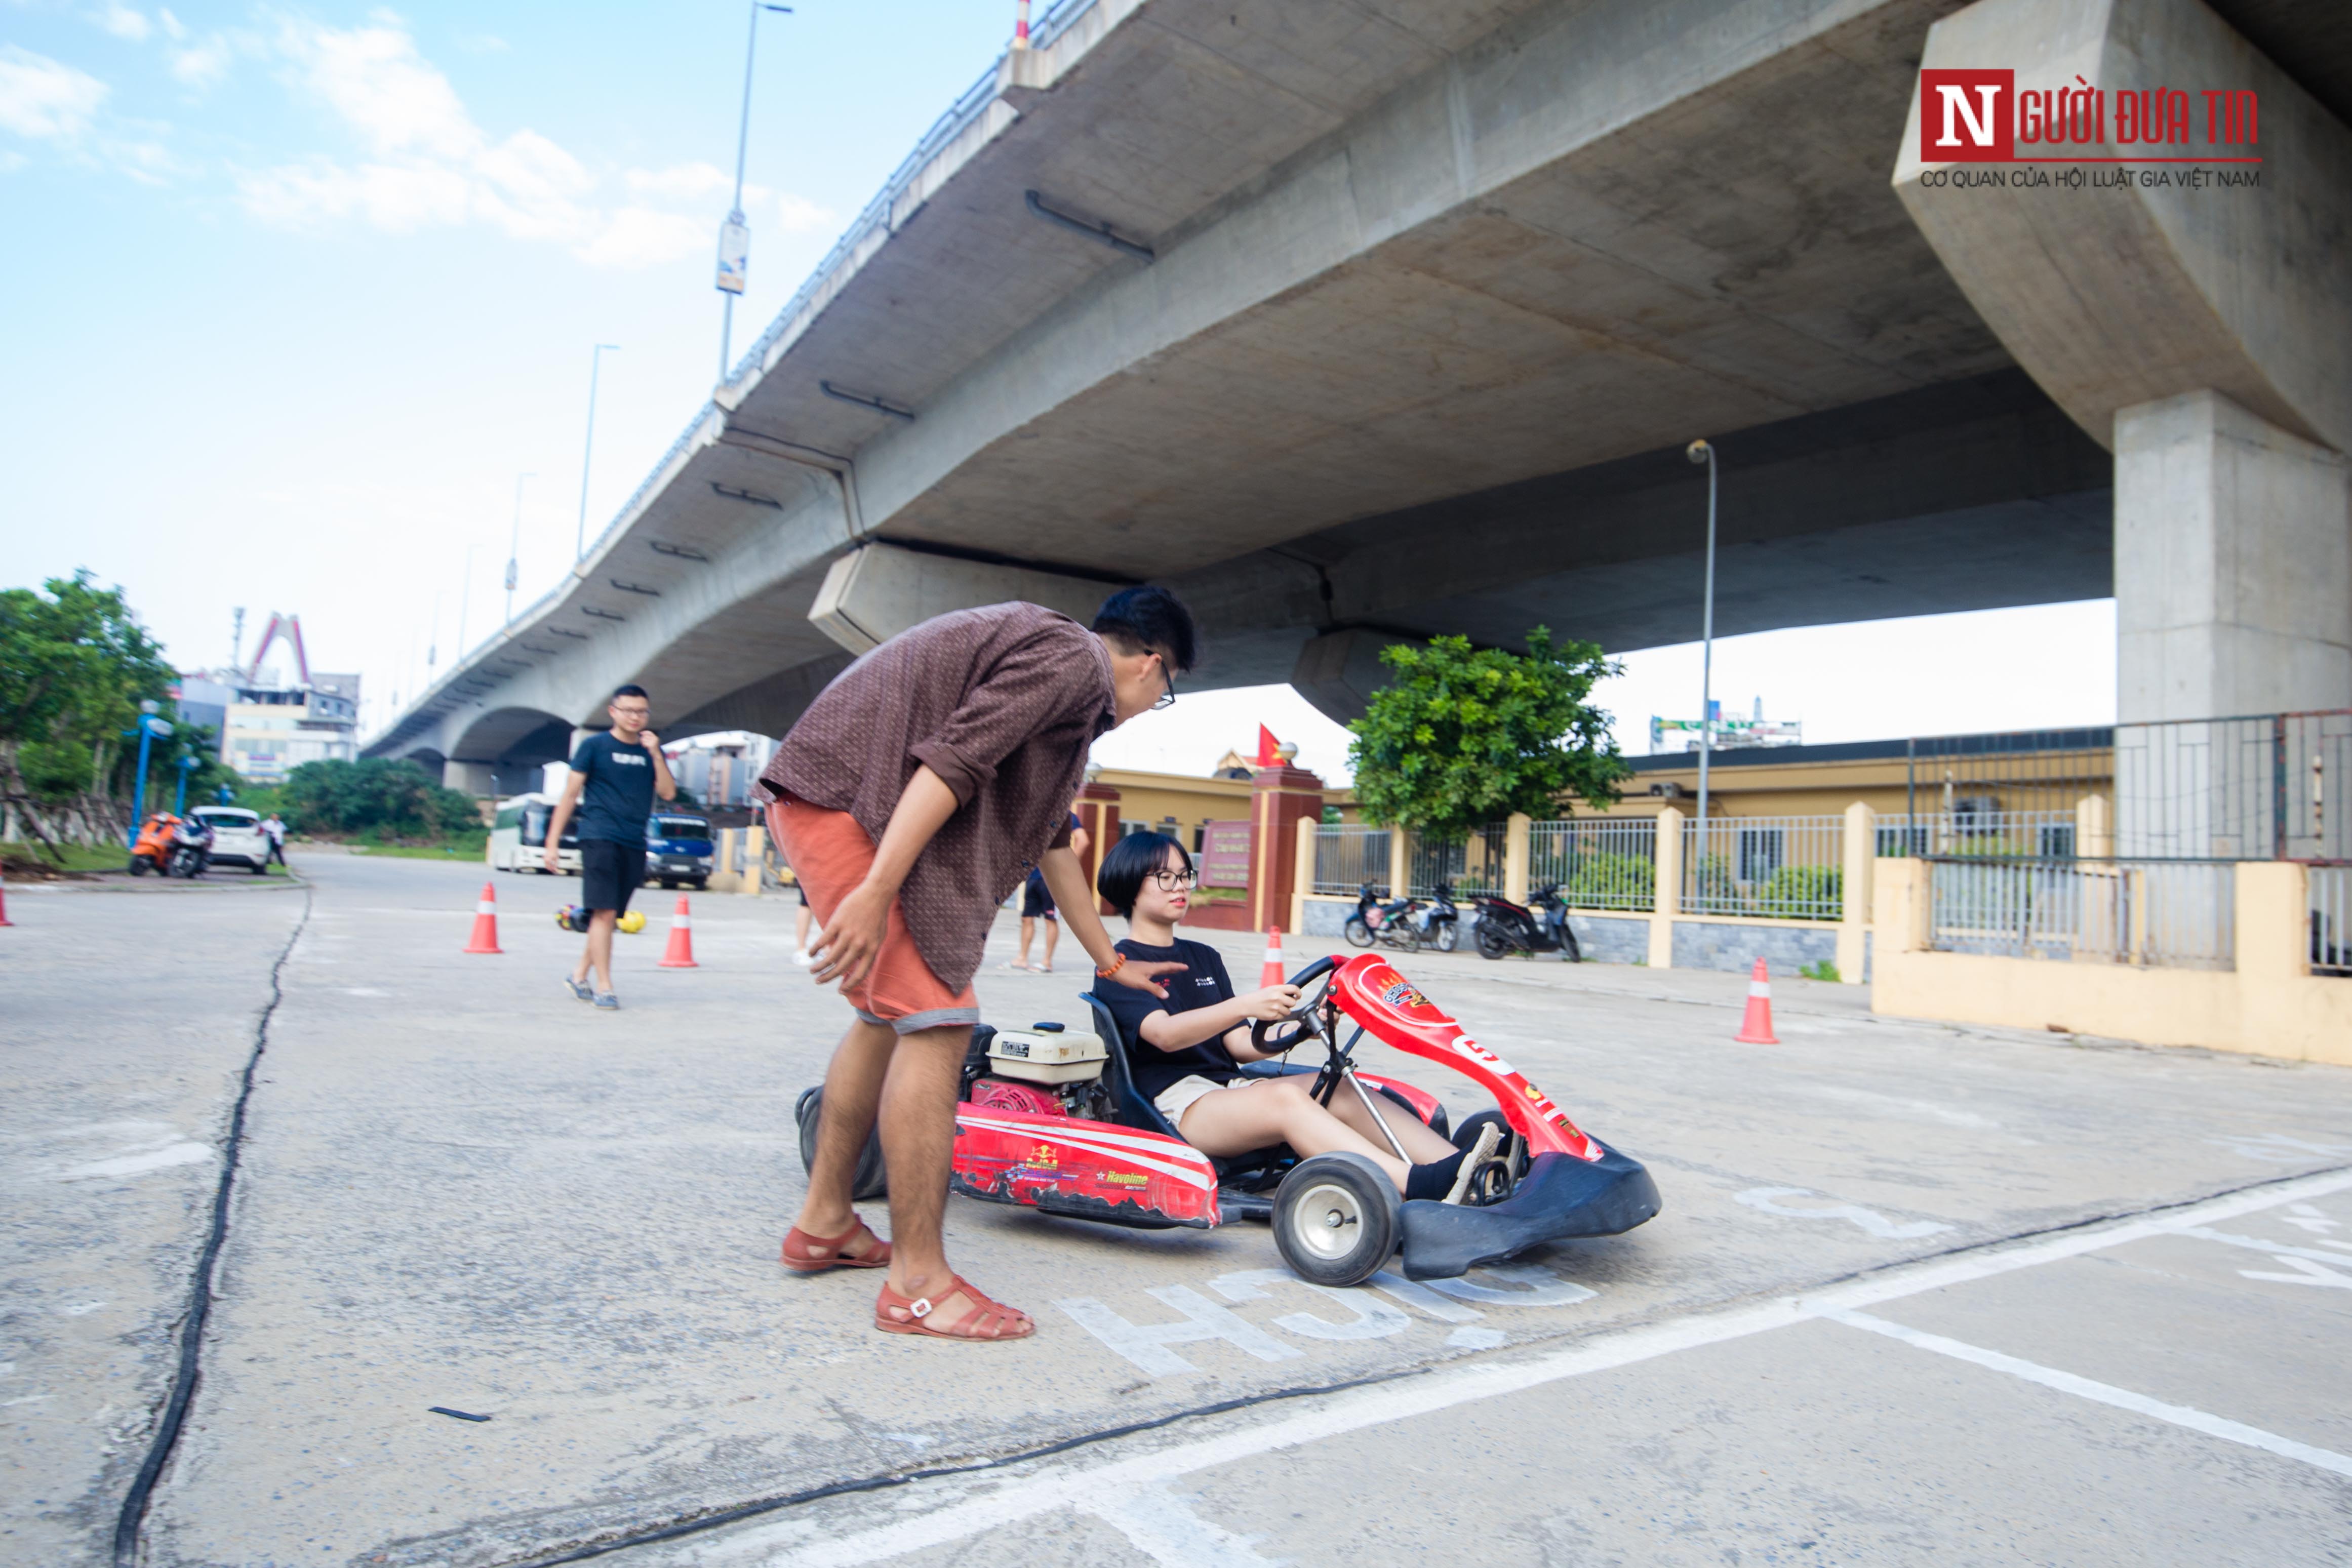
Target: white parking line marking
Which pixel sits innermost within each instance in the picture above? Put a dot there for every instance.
(2256, 1244)
(1064, 1485)
(2304, 1274)
(2103, 1393)
(1768, 1199)
(1157, 1523)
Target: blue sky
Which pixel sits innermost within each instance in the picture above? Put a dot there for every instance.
(292, 294)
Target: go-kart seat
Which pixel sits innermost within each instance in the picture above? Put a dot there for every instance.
(1132, 1109)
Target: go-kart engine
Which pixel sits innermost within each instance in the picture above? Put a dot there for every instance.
(1045, 1069)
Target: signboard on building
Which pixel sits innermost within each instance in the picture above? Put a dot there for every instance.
(1731, 734)
(1225, 853)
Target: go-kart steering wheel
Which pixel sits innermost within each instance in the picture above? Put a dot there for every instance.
(1303, 1013)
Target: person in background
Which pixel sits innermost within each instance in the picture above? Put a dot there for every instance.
(1037, 904)
(615, 777)
(801, 954)
(274, 830)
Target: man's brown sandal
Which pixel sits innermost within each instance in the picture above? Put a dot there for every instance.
(983, 1320)
(806, 1254)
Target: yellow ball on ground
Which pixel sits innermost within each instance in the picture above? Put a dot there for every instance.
(634, 921)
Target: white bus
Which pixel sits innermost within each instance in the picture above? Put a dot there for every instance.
(519, 836)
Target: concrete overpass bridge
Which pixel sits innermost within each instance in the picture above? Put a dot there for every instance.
(1362, 320)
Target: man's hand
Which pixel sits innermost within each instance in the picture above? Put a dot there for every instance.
(547, 857)
(852, 939)
(1270, 1005)
(649, 740)
(1146, 976)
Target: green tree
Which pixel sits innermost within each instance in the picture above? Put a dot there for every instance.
(74, 665)
(1462, 737)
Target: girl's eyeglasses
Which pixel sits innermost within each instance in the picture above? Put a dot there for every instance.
(1175, 881)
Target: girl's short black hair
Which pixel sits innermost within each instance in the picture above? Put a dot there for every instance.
(1129, 863)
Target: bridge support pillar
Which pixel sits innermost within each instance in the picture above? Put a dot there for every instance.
(2192, 316)
(468, 777)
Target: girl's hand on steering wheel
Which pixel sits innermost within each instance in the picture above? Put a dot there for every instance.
(1270, 1005)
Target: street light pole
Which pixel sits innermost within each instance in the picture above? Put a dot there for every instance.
(588, 449)
(514, 544)
(734, 235)
(1701, 452)
(150, 727)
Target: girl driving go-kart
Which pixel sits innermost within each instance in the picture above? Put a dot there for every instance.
(1186, 1052)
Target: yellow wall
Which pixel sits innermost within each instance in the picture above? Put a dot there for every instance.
(1148, 797)
(2270, 1005)
(1826, 789)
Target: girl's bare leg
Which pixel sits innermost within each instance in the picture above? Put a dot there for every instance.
(1419, 1140)
(1236, 1120)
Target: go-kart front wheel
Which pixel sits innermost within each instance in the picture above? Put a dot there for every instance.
(1337, 1219)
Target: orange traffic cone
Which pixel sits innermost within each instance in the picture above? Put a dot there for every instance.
(1272, 974)
(680, 954)
(1756, 1029)
(486, 923)
(3, 905)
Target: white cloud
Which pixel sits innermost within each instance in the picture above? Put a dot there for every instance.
(798, 215)
(682, 182)
(124, 22)
(398, 200)
(40, 96)
(12, 161)
(646, 237)
(201, 65)
(172, 24)
(374, 79)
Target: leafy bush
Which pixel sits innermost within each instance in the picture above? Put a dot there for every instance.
(1824, 971)
(1604, 880)
(375, 798)
(55, 771)
(1802, 893)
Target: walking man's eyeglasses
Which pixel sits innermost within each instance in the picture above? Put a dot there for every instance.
(1175, 881)
(1168, 697)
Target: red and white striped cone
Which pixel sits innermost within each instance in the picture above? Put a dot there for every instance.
(3, 903)
(486, 923)
(681, 952)
(1273, 973)
(1756, 1029)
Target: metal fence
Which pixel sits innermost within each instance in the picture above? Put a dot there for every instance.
(2022, 772)
(2032, 835)
(1348, 857)
(1601, 864)
(2179, 915)
(2264, 787)
(1786, 868)
(2331, 920)
(1471, 866)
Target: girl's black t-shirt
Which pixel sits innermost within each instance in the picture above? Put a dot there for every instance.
(1202, 985)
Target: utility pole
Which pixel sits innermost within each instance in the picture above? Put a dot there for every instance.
(735, 235)
(514, 543)
(236, 638)
(588, 450)
(1701, 452)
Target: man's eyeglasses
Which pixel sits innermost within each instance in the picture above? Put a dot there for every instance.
(1175, 881)
(1168, 697)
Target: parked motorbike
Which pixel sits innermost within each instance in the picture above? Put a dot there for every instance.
(1540, 925)
(1403, 923)
(152, 852)
(191, 854)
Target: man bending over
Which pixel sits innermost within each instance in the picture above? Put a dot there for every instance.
(910, 798)
(615, 777)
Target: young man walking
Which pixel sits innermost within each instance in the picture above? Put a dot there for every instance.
(273, 830)
(615, 777)
(910, 799)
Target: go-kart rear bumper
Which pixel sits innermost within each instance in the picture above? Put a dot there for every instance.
(1560, 1198)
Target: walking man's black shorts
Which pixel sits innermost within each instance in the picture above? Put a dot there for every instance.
(609, 872)
(1036, 901)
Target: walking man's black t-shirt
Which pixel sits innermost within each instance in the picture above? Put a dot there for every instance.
(1203, 985)
(618, 794)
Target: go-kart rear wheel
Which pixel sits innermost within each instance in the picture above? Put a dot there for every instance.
(1336, 1218)
(1357, 934)
(872, 1181)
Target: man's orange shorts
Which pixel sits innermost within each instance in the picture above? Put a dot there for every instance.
(830, 855)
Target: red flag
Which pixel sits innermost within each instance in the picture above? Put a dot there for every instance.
(1265, 744)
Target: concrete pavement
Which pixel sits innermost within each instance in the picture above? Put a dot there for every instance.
(462, 1188)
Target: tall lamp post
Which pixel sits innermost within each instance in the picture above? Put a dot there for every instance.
(151, 730)
(588, 448)
(1701, 452)
(514, 543)
(734, 235)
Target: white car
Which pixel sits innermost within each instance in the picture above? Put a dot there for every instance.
(237, 838)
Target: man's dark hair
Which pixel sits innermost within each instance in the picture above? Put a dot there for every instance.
(1130, 862)
(630, 691)
(1150, 620)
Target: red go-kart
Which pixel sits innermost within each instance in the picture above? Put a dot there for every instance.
(1050, 1119)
